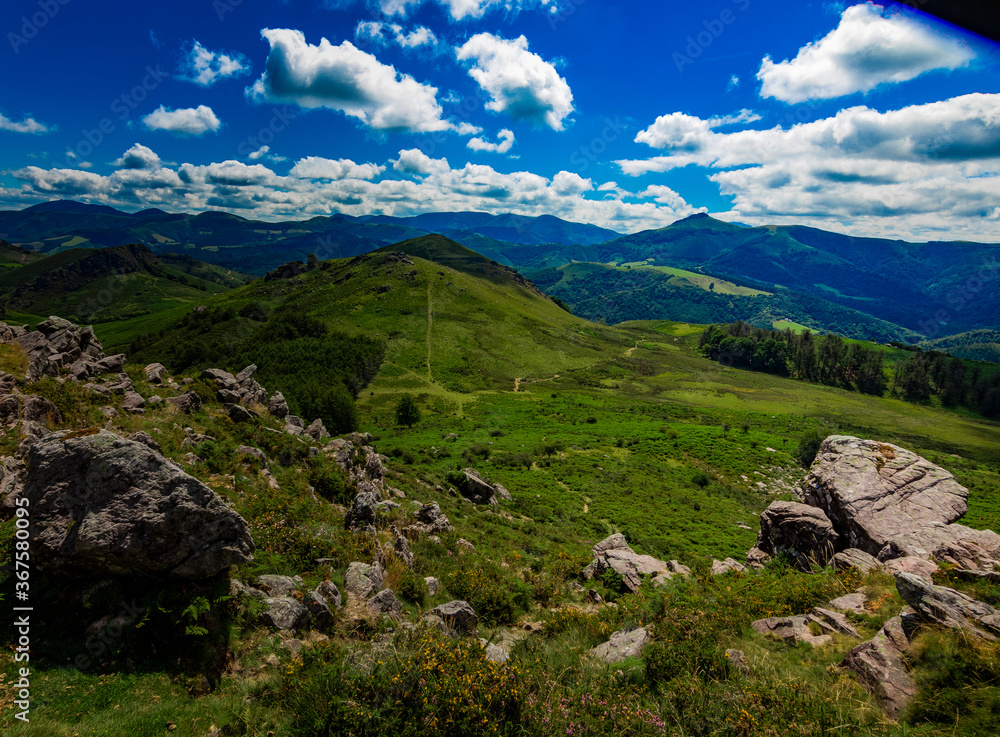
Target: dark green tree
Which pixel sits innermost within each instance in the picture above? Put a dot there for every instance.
(407, 411)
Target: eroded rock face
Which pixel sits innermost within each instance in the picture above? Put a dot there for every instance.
(879, 666)
(854, 558)
(957, 544)
(948, 608)
(102, 503)
(804, 531)
(362, 580)
(57, 343)
(874, 492)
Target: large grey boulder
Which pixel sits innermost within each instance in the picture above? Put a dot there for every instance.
(627, 643)
(458, 615)
(385, 602)
(362, 580)
(879, 667)
(874, 492)
(277, 405)
(363, 509)
(285, 613)
(729, 565)
(804, 531)
(949, 608)
(221, 379)
(187, 402)
(274, 585)
(101, 503)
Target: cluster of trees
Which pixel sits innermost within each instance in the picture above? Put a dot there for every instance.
(319, 371)
(925, 374)
(827, 359)
(833, 361)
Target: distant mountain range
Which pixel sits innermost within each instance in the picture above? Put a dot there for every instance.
(256, 247)
(864, 287)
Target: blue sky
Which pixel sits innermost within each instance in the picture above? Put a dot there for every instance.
(860, 118)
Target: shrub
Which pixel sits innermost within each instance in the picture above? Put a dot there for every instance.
(808, 448)
(407, 411)
(700, 479)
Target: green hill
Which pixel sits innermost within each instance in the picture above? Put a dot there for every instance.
(647, 292)
(101, 285)
(975, 345)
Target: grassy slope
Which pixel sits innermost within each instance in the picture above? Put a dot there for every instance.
(633, 416)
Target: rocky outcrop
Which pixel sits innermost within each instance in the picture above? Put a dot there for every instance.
(285, 613)
(879, 667)
(458, 615)
(277, 405)
(363, 510)
(187, 402)
(479, 491)
(432, 521)
(803, 531)
(102, 503)
(956, 544)
(363, 581)
(627, 643)
(854, 558)
(911, 564)
(385, 602)
(797, 628)
(614, 553)
(874, 492)
(948, 608)
(56, 344)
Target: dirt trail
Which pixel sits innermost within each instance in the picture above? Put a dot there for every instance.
(430, 321)
(630, 350)
(520, 380)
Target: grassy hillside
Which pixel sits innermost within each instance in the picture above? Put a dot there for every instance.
(641, 291)
(100, 285)
(593, 430)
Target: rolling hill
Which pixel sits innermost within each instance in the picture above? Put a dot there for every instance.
(98, 285)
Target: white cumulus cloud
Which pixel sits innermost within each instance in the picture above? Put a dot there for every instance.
(316, 167)
(870, 46)
(139, 157)
(519, 82)
(347, 79)
(930, 170)
(28, 125)
(380, 33)
(184, 121)
(205, 68)
(504, 144)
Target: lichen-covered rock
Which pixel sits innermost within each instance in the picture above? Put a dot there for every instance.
(187, 402)
(385, 602)
(956, 544)
(729, 565)
(101, 503)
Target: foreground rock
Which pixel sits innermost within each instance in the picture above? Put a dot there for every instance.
(615, 554)
(104, 504)
(949, 608)
(797, 628)
(799, 529)
(879, 666)
(874, 492)
(627, 643)
(956, 544)
(854, 558)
